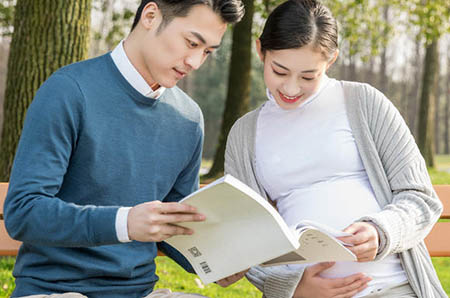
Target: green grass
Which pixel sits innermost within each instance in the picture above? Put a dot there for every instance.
(171, 276)
(6, 278)
(174, 278)
(442, 266)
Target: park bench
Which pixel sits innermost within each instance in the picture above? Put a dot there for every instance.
(438, 241)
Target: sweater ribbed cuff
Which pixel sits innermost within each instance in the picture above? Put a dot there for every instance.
(275, 282)
(388, 225)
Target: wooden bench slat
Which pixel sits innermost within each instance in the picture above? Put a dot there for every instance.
(438, 241)
(443, 192)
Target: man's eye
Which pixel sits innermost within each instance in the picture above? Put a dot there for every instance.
(192, 44)
(208, 52)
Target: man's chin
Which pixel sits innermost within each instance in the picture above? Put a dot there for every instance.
(168, 83)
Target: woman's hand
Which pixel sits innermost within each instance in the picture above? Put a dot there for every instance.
(312, 285)
(225, 282)
(364, 239)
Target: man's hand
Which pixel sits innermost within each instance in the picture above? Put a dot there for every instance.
(365, 240)
(225, 282)
(312, 285)
(156, 221)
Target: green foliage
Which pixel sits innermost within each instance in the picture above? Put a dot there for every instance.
(116, 22)
(6, 17)
(362, 27)
(211, 82)
(430, 17)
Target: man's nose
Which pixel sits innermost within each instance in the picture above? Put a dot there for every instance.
(194, 61)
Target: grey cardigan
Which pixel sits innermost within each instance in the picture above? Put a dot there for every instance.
(397, 173)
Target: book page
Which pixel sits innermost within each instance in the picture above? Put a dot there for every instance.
(315, 246)
(241, 230)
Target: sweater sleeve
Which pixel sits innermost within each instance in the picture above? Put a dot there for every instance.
(33, 212)
(415, 207)
(276, 281)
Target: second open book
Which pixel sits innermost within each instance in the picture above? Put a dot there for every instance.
(243, 230)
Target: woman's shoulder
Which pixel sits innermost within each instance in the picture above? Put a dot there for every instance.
(244, 128)
(368, 96)
(248, 120)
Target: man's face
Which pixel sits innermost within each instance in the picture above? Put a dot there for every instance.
(180, 46)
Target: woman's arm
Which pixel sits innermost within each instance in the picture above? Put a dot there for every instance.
(414, 207)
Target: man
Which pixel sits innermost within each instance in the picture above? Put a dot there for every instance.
(109, 146)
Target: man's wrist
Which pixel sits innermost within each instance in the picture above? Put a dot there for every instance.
(122, 224)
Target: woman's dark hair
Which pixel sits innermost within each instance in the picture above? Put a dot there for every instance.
(297, 23)
(231, 11)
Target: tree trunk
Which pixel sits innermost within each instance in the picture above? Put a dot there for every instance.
(447, 107)
(238, 94)
(414, 90)
(47, 35)
(437, 116)
(383, 83)
(427, 103)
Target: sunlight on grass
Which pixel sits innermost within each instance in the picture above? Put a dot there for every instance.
(175, 278)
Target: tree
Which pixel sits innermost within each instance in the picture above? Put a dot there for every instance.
(238, 93)
(47, 35)
(432, 19)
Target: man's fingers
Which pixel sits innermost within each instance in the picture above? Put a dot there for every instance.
(180, 217)
(173, 207)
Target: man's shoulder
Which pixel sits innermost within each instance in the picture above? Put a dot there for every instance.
(184, 104)
(88, 67)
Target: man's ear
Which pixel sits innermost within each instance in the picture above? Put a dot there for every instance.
(333, 59)
(150, 16)
(259, 50)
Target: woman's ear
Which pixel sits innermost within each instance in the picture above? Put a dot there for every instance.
(333, 58)
(259, 50)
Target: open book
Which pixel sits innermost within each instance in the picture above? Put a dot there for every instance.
(242, 229)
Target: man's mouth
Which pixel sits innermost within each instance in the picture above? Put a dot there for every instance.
(179, 73)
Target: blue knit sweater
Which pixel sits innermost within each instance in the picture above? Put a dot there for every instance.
(91, 143)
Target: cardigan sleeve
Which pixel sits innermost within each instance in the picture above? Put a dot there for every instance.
(276, 281)
(414, 207)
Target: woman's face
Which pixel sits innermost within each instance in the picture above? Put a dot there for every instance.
(293, 75)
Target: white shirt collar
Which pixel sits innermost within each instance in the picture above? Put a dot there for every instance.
(130, 73)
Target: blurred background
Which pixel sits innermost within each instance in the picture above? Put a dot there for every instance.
(400, 47)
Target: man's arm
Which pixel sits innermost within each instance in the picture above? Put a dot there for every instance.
(33, 212)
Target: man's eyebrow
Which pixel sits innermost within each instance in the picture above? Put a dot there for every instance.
(202, 40)
(284, 67)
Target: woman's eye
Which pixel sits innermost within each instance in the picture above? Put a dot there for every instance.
(278, 73)
(308, 79)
